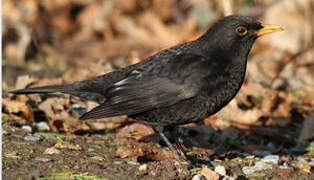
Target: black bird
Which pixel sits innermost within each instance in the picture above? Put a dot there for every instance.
(183, 84)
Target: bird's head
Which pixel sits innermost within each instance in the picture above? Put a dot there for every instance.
(237, 33)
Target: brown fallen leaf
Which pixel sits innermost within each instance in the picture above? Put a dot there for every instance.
(24, 81)
(69, 125)
(209, 174)
(18, 108)
(128, 138)
(207, 152)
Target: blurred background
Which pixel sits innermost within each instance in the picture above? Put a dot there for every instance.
(62, 41)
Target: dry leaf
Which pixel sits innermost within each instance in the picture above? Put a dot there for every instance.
(209, 174)
(18, 108)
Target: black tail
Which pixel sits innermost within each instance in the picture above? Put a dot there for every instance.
(43, 89)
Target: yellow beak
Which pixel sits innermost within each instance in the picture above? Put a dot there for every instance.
(268, 28)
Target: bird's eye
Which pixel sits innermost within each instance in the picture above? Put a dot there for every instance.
(241, 30)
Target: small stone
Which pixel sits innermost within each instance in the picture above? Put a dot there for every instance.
(52, 150)
(228, 178)
(90, 149)
(197, 177)
(262, 166)
(261, 153)
(271, 159)
(133, 163)
(42, 126)
(4, 132)
(142, 167)
(27, 128)
(220, 170)
(98, 158)
(33, 138)
(259, 166)
(42, 159)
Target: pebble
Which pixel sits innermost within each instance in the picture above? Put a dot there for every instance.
(259, 166)
(197, 177)
(42, 126)
(261, 153)
(42, 159)
(228, 178)
(142, 167)
(271, 159)
(33, 138)
(90, 149)
(97, 158)
(220, 170)
(27, 128)
(133, 163)
(4, 132)
(52, 150)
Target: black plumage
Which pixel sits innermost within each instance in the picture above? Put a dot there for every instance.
(183, 84)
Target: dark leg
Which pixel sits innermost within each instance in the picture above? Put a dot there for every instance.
(176, 140)
(161, 131)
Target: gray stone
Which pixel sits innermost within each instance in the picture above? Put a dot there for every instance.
(259, 166)
(90, 149)
(33, 138)
(27, 128)
(133, 163)
(248, 170)
(42, 159)
(197, 177)
(262, 166)
(97, 158)
(42, 126)
(271, 159)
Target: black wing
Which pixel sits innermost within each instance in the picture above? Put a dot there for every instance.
(141, 91)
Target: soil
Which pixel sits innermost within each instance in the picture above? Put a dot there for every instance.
(96, 159)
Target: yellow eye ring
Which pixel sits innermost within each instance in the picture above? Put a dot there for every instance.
(241, 30)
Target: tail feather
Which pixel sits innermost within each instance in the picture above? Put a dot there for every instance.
(43, 89)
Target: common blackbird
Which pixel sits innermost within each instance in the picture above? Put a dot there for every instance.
(183, 84)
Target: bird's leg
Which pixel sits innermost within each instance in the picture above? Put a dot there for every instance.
(160, 131)
(176, 140)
